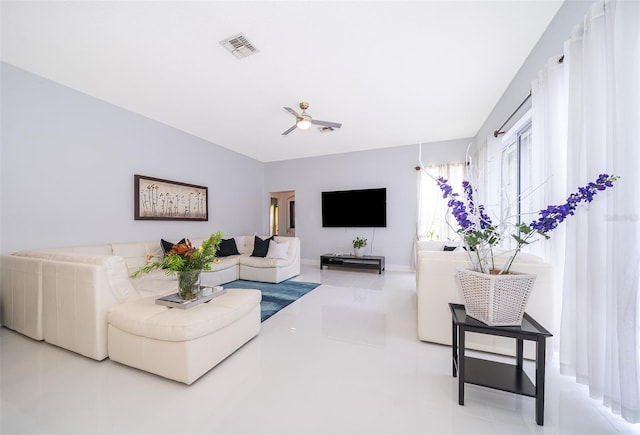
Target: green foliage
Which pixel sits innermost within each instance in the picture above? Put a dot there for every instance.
(185, 256)
(359, 243)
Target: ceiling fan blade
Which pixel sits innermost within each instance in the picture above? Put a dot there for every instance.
(293, 112)
(293, 127)
(326, 123)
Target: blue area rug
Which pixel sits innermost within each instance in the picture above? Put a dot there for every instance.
(275, 296)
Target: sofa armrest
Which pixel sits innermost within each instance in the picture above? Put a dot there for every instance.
(21, 295)
(76, 298)
(63, 297)
(293, 251)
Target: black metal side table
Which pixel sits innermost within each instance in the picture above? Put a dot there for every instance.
(493, 374)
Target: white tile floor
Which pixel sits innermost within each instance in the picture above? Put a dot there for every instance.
(344, 359)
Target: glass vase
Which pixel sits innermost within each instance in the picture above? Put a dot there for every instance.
(189, 284)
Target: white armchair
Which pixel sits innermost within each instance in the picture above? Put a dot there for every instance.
(436, 286)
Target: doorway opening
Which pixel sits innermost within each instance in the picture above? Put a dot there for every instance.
(282, 213)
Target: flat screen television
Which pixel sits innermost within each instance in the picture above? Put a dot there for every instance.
(355, 208)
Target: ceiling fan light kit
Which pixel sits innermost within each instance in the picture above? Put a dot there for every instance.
(304, 120)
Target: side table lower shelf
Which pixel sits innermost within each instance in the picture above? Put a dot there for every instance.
(499, 376)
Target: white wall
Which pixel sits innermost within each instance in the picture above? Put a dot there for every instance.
(68, 162)
(571, 13)
(393, 168)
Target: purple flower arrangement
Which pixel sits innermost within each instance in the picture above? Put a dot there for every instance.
(480, 235)
(556, 214)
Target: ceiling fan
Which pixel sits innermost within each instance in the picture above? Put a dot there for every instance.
(304, 121)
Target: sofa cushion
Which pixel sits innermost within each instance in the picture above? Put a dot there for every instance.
(260, 247)
(157, 282)
(67, 256)
(260, 262)
(167, 246)
(95, 250)
(224, 263)
(146, 319)
(227, 247)
(240, 242)
(117, 274)
(135, 253)
(430, 245)
(522, 257)
(278, 250)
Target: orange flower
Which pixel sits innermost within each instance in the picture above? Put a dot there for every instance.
(184, 249)
(149, 257)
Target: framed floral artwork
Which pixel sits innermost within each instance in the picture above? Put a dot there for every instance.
(158, 199)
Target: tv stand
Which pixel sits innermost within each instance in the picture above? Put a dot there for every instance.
(366, 262)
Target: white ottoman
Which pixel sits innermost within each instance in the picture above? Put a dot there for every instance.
(182, 344)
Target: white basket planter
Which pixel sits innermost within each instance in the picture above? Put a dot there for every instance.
(497, 300)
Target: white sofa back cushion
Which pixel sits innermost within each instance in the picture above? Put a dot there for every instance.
(116, 270)
(240, 244)
(294, 245)
(135, 253)
(117, 274)
(89, 250)
(435, 245)
(156, 283)
(68, 254)
(278, 250)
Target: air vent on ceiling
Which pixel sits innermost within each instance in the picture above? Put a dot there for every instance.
(239, 46)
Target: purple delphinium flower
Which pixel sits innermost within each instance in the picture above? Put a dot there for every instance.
(446, 189)
(461, 211)
(458, 208)
(477, 229)
(485, 220)
(553, 215)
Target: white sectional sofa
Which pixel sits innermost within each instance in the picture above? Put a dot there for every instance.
(436, 286)
(62, 295)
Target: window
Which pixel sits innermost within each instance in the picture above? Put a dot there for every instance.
(434, 217)
(516, 177)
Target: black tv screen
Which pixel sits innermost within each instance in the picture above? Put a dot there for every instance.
(355, 208)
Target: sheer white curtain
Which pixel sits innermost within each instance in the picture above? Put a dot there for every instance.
(601, 283)
(490, 157)
(432, 208)
(549, 168)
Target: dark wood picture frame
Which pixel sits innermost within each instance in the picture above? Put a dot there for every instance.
(158, 199)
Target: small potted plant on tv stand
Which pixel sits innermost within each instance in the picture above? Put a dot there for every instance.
(358, 246)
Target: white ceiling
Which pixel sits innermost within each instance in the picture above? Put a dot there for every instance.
(392, 72)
